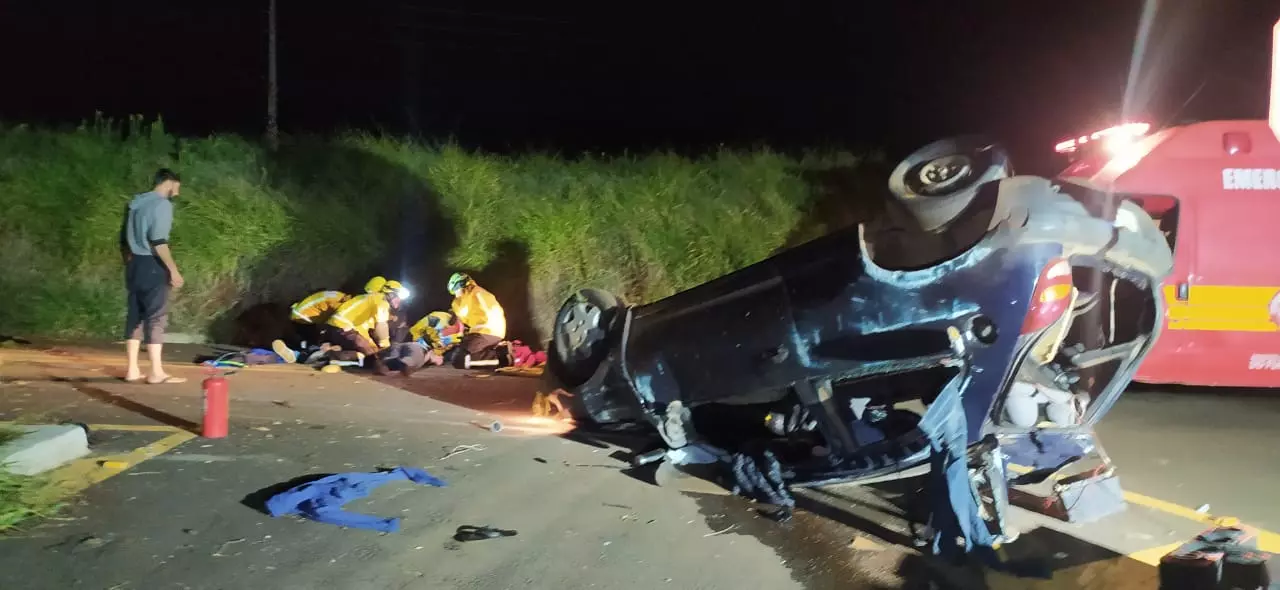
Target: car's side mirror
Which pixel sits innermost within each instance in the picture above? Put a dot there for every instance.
(938, 181)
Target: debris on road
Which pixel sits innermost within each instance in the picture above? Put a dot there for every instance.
(780, 515)
(696, 454)
(1222, 557)
(721, 532)
(568, 464)
(861, 543)
(468, 532)
(224, 545)
(460, 449)
(494, 426)
(322, 500)
(92, 542)
(543, 403)
(643, 459)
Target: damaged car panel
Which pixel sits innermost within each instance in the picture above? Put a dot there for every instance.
(980, 307)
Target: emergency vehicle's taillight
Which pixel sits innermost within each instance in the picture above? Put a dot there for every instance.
(1051, 297)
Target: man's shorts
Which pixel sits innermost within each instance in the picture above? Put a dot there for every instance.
(147, 283)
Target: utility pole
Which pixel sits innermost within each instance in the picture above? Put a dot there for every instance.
(273, 124)
(411, 67)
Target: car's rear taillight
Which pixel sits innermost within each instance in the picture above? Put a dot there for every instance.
(1051, 297)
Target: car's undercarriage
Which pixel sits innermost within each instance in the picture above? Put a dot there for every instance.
(979, 312)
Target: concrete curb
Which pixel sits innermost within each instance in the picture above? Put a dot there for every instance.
(43, 447)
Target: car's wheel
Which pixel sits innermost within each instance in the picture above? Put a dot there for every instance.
(580, 339)
(938, 181)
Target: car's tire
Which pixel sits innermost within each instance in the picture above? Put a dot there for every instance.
(938, 181)
(582, 335)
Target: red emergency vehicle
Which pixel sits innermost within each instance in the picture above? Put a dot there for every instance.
(1215, 189)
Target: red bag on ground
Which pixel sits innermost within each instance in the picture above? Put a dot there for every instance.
(523, 356)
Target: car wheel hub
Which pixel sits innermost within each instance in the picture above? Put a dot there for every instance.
(941, 174)
(580, 327)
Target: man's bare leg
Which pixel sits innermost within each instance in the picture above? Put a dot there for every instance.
(157, 367)
(132, 348)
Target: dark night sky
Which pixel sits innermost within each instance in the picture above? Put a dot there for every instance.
(611, 76)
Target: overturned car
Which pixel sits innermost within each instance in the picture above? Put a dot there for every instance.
(981, 310)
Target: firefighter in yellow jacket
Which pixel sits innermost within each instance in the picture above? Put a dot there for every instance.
(314, 311)
(438, 331)
(316, 308)
(361, 324)
(486, 323)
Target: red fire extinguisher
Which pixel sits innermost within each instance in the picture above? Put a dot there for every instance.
(216, 407)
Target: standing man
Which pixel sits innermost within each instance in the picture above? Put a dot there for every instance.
(150, 273)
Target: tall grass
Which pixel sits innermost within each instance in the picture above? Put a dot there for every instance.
(23, 497)
(253, 227)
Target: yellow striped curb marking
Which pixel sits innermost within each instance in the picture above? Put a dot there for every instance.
(80, 474)
(1267, 540)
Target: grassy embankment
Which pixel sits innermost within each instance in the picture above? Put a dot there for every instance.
(328, 211)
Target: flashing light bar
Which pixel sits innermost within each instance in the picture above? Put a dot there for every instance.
(1123, 134)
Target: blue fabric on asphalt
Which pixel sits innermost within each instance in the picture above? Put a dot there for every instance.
(953, 506)
(322, 500)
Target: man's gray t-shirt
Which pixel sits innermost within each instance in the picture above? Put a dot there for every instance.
(147, 223)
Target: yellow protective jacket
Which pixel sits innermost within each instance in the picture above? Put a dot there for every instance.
(428, 329)
(364, 314)
(317, 307)
(480, 313)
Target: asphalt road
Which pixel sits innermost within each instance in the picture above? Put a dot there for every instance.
(1197, 447)
(190, 518)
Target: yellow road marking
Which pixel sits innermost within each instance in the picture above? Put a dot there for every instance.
(1152, 556)
(1167, 507)
(78, 475)
(1267, 540)
(136, 427)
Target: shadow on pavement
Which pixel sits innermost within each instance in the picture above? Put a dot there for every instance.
(258, 500)
(127, 404)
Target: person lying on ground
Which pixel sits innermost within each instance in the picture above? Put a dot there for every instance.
(409, 357)
(150, 275)
(432, 337)
(483, 318)
(310, 354)
(361, 324)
